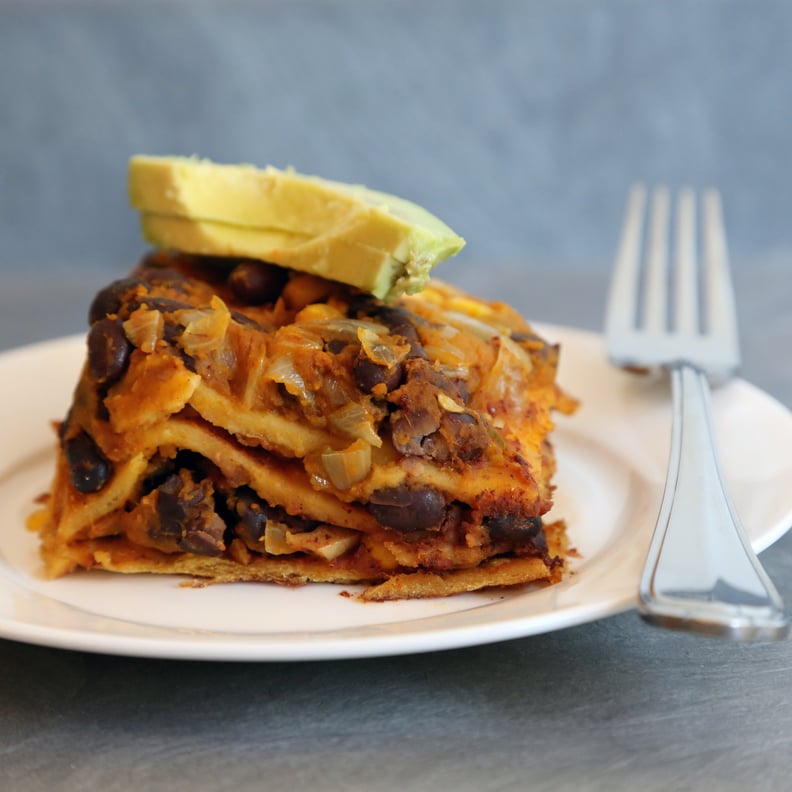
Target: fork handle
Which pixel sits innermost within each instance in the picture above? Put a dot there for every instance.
(701, 574)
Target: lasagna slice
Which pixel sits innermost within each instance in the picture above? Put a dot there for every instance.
(237, 421)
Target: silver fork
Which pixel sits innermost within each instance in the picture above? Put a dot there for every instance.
(701, 574)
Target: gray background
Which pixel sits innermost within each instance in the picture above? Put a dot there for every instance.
(521, 124)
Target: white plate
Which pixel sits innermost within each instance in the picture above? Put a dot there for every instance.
(611, 454)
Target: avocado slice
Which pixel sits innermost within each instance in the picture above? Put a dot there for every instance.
(374, 241)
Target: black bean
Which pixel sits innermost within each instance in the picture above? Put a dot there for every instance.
(163, 276)
(109, 299)
(171, 509)
(167, 268)
(187, 516)
(409, 427)
(513, 528)
(89, 470)
(164, 305)
(172, 333)
(397, 320)
(400, 322)
(247, 321)
(435, 446)
(406, 509)
(205, 536)
(462, 389)
(252, 513)
(360, 304)
(155, 259)
(255, 282)
(369, 374)
(335, 346)
(467, 436)
(520, 338)
(108, 350)
(295, 523)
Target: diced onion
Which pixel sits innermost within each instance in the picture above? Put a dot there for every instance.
(381, 349)
(448, 404)
(282, 370)
(478, 328)
(354, 420)
(326, 541)
(447, 355)
(349, 466)
(336, 546)
(205, 328)
(507, 378)
(448, 331)
(275, 539)
(455, 372)
(471, 307)
(144, 328)
(254, 368)
(350, 327)
(341, 328)
(302, 336)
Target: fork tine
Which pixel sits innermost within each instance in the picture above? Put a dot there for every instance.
(720, 302)
(621, 312)
(656, 281)
(686, 277)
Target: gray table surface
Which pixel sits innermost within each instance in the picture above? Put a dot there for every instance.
(521, 124)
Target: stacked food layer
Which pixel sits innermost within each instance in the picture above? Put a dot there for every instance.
(237, 420)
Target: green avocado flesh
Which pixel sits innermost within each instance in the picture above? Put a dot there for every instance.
(377, 242)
